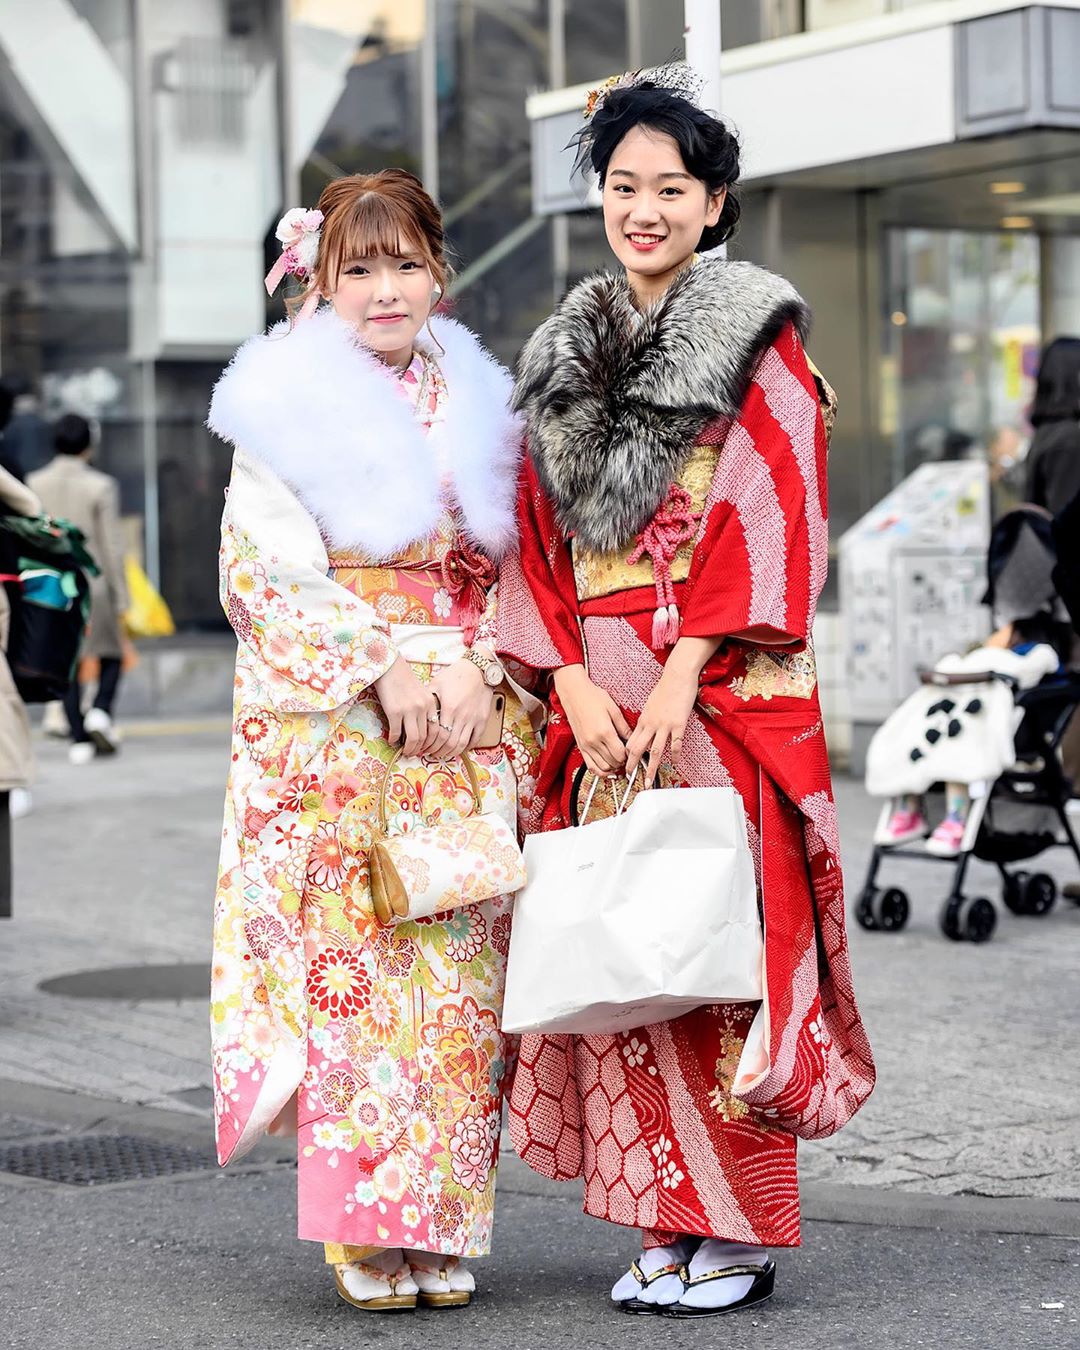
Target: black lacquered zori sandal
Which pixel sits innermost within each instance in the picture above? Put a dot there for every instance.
(759, 1291)
(639, 1305)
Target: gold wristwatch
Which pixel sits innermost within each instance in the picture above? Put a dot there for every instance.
(486, 664)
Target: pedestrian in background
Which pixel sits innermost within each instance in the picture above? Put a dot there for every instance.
(674, 541)
(372, 489)
(71, 489)
(9, 461)
(1054, 476)
(28, 437)
(1054, 458)
(16, 754)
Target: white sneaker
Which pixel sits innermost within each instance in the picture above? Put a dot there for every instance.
(20, 803)
(100, 729)
(82, 752)
(54, 721)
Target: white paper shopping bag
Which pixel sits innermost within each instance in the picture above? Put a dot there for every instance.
(637, 918)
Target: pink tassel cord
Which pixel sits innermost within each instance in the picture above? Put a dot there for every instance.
(674, 524)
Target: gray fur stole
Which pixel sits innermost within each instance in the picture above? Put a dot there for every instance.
(615, 398)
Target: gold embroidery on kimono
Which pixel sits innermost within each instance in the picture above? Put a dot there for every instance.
(777, 675)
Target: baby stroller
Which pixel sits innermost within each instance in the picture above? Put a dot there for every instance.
(1002, 825)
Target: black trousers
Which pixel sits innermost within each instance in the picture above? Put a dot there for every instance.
(108, 683)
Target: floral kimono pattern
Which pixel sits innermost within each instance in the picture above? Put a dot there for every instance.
(389, 1036)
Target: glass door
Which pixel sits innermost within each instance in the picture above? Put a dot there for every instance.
(961, 344)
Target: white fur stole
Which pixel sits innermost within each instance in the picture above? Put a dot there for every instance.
(323, 414)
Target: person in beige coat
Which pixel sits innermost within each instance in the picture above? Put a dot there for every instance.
(16, 753)
(71, 489)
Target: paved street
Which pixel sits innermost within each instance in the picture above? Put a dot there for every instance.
(947, 1215)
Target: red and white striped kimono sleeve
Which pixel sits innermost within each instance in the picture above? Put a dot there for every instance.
(761, 553)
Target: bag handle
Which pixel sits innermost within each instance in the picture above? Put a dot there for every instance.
(470, 773)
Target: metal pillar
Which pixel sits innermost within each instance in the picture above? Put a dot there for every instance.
(703, 46)
(290, 170)
(144, 344)
(560, 223)
(429, 101)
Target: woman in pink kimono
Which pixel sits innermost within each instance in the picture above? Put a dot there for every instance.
(372, 494)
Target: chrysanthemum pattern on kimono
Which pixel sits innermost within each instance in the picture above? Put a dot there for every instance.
(392, 1032)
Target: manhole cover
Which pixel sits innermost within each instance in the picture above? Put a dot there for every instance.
(97, 1159)
(164, 983)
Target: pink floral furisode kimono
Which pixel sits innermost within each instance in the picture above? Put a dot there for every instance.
(355, 495)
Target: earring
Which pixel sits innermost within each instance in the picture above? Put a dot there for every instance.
(436, 294)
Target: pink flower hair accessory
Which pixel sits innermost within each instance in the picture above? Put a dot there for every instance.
(299, 231)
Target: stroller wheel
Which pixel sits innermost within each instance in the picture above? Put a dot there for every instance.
(891, 909)
(949, 919)
(1040, 893)
(977, 918)
(1029, 893)
(864, 909)
(1012, 893)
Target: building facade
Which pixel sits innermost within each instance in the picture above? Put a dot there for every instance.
(911, 166)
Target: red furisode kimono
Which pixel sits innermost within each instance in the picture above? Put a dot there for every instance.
(678, 459)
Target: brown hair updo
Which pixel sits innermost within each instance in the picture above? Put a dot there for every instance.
(369, 213)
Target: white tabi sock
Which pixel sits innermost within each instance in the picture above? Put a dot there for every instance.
(668, 1288)
(428, 1271)
(716, 1255)
(363, 1286)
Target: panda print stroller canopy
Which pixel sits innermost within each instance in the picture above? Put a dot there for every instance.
(992, 719)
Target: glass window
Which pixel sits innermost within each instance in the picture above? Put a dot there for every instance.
(961, 342)
(489, 56)
(596, 39)
(64, 301)
(370, 58)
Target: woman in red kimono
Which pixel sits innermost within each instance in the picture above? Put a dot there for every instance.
(674, 538)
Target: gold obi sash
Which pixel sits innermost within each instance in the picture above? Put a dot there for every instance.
(600, 574)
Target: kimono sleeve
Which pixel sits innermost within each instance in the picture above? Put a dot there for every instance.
(537, 622)
(761, 553)
(315, 646)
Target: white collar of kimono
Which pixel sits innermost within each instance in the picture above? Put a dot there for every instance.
(323, 414)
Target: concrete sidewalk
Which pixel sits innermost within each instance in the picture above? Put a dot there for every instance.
(947, 1214)
(208, 1259)
(979, 1076)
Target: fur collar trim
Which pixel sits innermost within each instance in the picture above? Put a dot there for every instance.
(615, 399)
(322, 413)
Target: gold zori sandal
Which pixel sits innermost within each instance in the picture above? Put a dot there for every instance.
(436, 1286)
(385, 1295)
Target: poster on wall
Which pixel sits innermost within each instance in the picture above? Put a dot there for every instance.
(912, 573)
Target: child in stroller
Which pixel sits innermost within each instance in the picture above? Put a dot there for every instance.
(987, 725)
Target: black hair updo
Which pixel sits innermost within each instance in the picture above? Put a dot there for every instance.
(708, 149)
